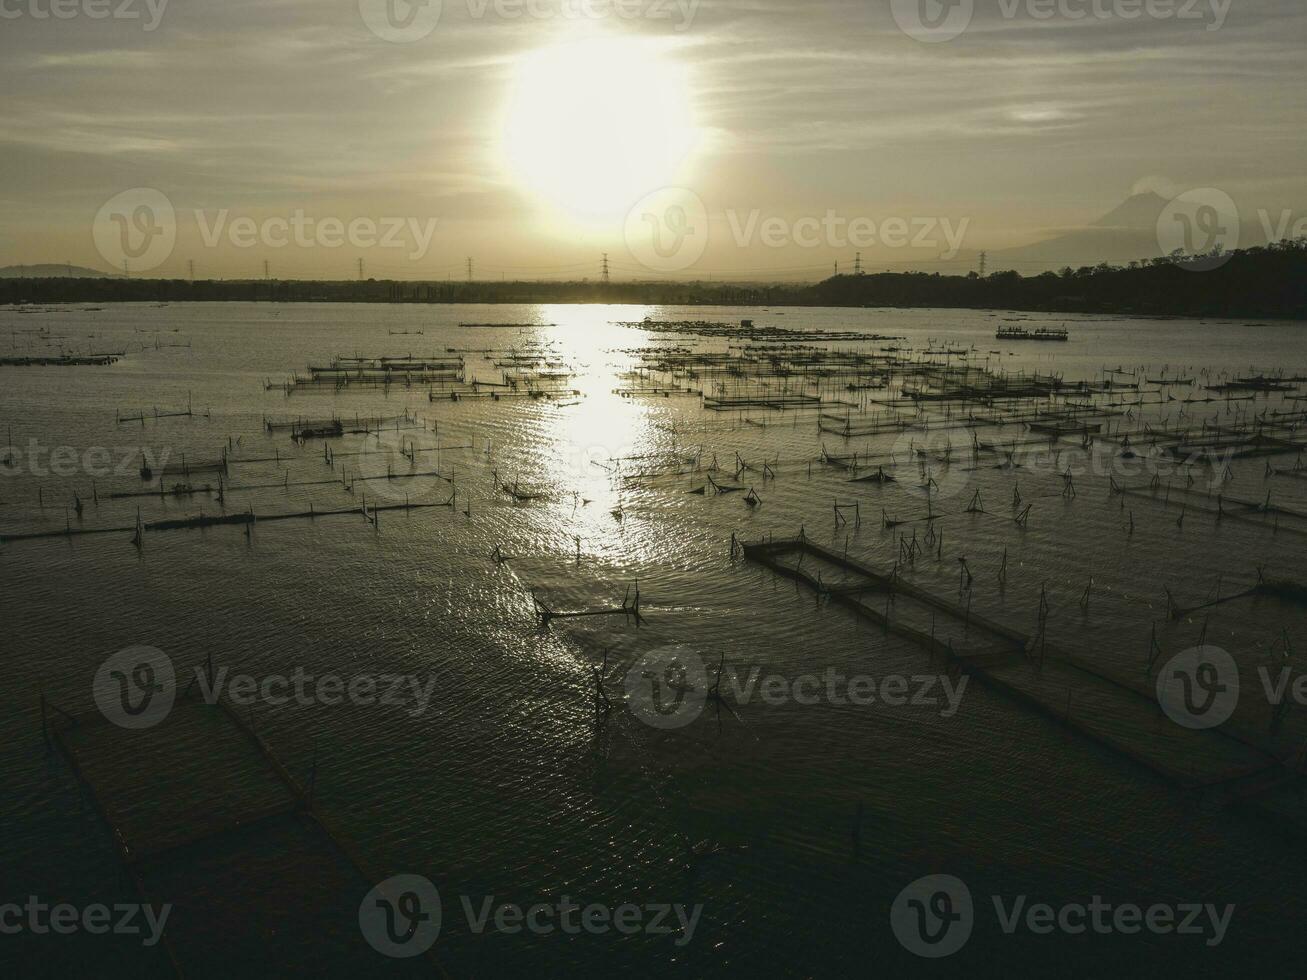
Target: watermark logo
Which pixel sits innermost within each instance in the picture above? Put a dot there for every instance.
(930, 464)
(933, 916)
(136, 230)
(401, 916)
(149, 11)
(1199, 688)
(933, 21)
(942, 464)
(401, 21)
(667, 231)
(1200, 228)
(136, 687)
(667, 687)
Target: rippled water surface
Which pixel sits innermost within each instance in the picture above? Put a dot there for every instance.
(508, 785)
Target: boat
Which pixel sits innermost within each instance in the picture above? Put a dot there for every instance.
(330, 430)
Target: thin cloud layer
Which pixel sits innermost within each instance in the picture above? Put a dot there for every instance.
(1019, 125)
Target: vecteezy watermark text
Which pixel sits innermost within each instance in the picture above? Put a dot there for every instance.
(1288, 226)
(669, 686)
(402, 916)
(123, 919)
(669, 230)
(1212, 13)
(934, 916)
(150, 11)
(837, 231)
(137, 686)
(934, 21)
(37, 459)
(406, 21)
(930, 463)
(305, 231)
(137, 230)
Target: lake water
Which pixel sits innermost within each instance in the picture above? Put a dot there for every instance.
(506, 785)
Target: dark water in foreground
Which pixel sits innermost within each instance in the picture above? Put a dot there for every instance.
(504, 785)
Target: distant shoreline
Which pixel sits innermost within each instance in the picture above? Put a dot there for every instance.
(1267, 283)
(706, 305)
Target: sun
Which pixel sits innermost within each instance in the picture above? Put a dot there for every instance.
(594, 125)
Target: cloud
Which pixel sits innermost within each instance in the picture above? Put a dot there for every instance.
(814, 105)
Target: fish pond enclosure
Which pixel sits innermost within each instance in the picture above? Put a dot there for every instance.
(235, 844)
(533, 508)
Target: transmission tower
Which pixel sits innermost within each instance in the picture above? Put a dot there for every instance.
(605, 272)
(983, 257)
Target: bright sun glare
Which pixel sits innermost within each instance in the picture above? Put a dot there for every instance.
(594, 125)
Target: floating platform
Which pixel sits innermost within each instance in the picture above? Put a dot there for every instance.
(1055, 334)
(208, 820)
(1116, 713)
(61, 360)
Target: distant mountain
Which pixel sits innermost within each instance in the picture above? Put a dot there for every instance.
(1127, 233)
(50, 271)
(1139, 212)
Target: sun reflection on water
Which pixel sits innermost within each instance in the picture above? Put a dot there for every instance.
(600, 434)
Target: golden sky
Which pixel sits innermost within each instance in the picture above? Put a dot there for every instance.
(534, 136)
